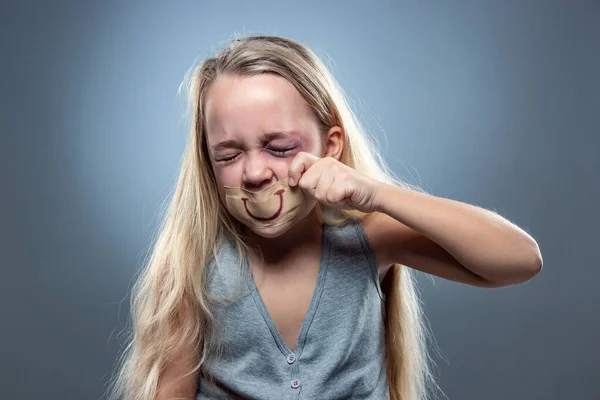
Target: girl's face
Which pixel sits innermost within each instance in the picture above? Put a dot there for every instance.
(254, 128)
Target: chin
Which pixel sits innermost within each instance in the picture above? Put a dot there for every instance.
(274, 231)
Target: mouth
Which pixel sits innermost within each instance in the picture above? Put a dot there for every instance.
(272, 217)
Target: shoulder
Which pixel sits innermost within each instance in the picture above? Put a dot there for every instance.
(224, 271)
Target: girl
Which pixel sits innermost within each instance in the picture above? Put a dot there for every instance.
(279, 271)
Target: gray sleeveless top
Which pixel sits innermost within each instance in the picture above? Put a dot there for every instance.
(340, 351)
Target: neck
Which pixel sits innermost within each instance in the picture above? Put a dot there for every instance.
(305, 234)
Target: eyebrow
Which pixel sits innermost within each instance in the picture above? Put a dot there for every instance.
(263, 138)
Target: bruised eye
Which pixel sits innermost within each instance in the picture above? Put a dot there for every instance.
(280, 151)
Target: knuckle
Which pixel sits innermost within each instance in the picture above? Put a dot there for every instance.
(319, 195)
(339, 193)
(303, 183)
(331, 197)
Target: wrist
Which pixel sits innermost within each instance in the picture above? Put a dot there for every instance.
(380, 194)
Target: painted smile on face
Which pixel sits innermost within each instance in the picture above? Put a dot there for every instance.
(272, 217)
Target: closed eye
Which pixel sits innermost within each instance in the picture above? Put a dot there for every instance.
(227, 159)
(280, 151)
(277, 151)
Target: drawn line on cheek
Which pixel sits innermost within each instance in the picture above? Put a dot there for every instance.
(272, 217)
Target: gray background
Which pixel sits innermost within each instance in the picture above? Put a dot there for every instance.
(492, 103)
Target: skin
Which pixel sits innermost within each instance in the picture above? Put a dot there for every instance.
(442, 237)
(246, 110)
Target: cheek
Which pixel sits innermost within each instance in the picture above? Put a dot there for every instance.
(281, 166)
(228, 175)
(224, 177)
(316, 146)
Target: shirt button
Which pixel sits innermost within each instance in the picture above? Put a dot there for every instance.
(295, 383)
(291, 358)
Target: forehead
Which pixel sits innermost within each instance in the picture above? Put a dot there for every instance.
(244, 107)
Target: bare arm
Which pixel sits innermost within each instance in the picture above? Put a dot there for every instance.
(177, 381)
(173, 384)
(453, 240)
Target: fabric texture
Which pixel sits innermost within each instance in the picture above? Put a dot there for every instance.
(340, 351)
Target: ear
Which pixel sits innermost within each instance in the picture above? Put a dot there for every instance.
(334, 143)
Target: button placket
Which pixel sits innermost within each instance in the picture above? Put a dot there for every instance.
(295, 382)
(291, 358)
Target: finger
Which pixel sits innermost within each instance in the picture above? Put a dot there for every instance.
(310, 179)
(300, 163)
(336, 195)
(324, 186)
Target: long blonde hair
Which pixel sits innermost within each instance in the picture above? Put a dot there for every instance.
(170, 306)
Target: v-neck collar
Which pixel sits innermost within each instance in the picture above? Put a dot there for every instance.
(314, 303)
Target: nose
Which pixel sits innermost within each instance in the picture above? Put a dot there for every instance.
(257, 174)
